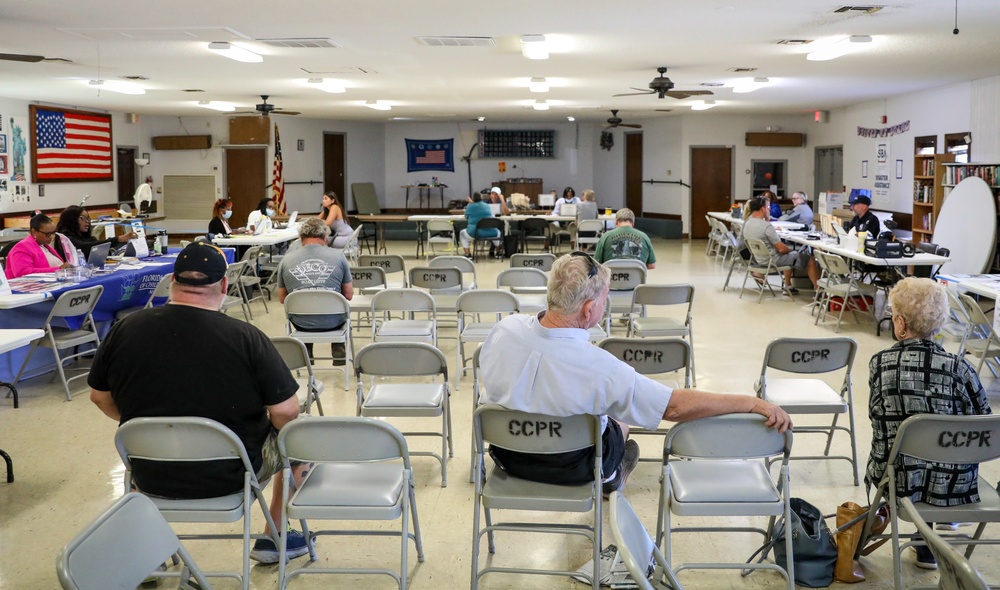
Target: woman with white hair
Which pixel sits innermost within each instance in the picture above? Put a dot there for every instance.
(917, 376)
(801, 212)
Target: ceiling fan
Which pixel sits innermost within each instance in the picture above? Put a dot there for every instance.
(30, 58)
(662, 86)
(265, 108)
(616, 121)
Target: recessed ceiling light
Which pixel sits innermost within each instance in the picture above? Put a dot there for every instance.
(233, 52)
(534, 47)
(540, 105)
(749, 85)
(378, 105)
(215, 105)
(571, 119)
(839, 48)
(118, 86)
(326, 85)
(481, 119)
(538, 85)
(703, 105)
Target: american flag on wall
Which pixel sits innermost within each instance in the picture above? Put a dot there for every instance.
(430, 154)
(70, 145)
(277, 178)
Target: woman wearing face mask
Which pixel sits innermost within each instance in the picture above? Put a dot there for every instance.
(259, 220)
(333, 215)
(219, 225)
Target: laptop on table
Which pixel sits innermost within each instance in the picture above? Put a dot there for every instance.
(98, 256)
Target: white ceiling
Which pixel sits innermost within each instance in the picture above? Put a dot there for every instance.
(597, 50)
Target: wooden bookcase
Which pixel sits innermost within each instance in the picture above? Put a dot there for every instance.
(928, 194)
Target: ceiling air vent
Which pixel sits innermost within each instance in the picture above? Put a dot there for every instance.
(868, 9)
(301, 43)
(191, 90)
(137, 78)
(456, 41)
(338, 71)
(742, 70)
(712, 84)
(794, 41)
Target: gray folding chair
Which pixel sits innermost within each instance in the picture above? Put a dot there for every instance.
(468, 268)
(709, 471)
(626, 275)
(366, 281)
(523, 280)
(500, 491)
(473, 327)
(250, 279)
(758, 252)
(296, 358)
(313, 302)
(845, 285)
(122, 547)
(637, 548)
(392, 264)
(649, 357)
(643, 325)
(187, 438)
(983, 341)
(477, 390)
(352, 249)
(737, 261)
(397, 395)
(812, 396)
(78, 303)
(592, 228)
(361, 472)
(956, 571)
(408, 329)
(236, 296)
(959, 325)
(542, 261)
(162, 291)
(444, 284)
(440, 232)
(940, 438)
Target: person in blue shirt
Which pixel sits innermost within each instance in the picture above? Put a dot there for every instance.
(475, 212)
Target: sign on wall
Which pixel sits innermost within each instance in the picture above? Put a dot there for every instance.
(880, 194)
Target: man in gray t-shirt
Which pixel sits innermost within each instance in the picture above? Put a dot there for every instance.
(757, 227)
(315, 266)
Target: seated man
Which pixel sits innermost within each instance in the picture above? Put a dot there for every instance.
(316, 266)
(801, 212)
(757, 227)
(864, 219)
(546, 364)
(207, 364)
(625, 242)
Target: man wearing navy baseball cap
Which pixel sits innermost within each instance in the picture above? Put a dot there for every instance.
(863, 220)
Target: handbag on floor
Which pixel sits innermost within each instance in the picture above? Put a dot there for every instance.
(850, 525)
(813, 550)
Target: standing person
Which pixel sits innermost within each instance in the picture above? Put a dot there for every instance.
(625, 241)
(917, 376)
(219, 225)
(210, 365)
(801, 212)
(42, 250)
(315, 266)
(333, 216)
(259, 220)
(757, 227)
(74, 223)
(476, 211)
(863, 220)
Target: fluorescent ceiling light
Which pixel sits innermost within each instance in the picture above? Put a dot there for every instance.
(750, 85)
(538, 85)
(703, 105)
(839, 48)
(540, 105)
(118, 86)
(233, 52)
(326, 85)
(215, 105)
(534, 47)
(571, 119)
(482, 118)
(378, 105)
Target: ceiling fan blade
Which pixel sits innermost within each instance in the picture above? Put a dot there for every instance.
(21, 57)
(632, 125)
(664, 110)
(682, 94)
(284, 112)
(634, 93)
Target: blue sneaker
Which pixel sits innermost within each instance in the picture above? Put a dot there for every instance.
(264, 550)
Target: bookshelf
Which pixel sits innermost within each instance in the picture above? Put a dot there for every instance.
(928, 195)
(955, 173)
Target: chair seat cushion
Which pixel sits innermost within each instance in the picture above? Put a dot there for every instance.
(405, 328)
(315, 337)
(505, 491)
(350, 491)
(659, 326)
(597, 334)
(66, 338)
(707, 482)
(477, 332)
(200, 510)
(986, 510)
(804, 396)
(405, 395)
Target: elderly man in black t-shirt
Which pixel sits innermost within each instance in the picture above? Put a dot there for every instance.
(206, 364)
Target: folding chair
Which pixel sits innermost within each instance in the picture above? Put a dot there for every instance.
(642, 325)
(637, 548)
(844, 284)
(162, 291)
(948, 439)
(122, 547)
(250, 279)
(536, 229)
(592, 228)
(408, 329)
(78, 303)
(477, 389)
(321, 302)
(463, 264)
(649, 357)
(353, 249)
(296, 358)
(626, 275)
(366, 281)
(533, 433)
(478, 242)
(542, 261)
(472, 328)
(738, 261)
(984, 342)
(956, 571)
(440, 231)
(362, 472)
(707, 471)
(188, 438)
(395, 398)
(959, 325)
(758, 252)
(392, 264)
(713, 234)
(235, 296)
(811, 396)
(529, 285)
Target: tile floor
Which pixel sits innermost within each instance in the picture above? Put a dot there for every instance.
(68, 471)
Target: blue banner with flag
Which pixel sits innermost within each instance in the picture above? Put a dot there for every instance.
(430, 154)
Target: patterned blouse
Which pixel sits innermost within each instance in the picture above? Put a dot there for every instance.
(919, 377)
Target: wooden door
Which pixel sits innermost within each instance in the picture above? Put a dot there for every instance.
(125, 172)
(334, 159)
(711, 185)
(633, 172)
(246, 182)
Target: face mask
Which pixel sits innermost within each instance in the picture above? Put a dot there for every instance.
(227, 214)
(270, 212)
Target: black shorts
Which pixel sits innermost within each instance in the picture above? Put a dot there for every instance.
(573, 468)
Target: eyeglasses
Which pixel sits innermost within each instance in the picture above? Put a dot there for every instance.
(591, 263)
(46, 233)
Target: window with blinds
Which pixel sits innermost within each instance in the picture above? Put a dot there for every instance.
(188, 196)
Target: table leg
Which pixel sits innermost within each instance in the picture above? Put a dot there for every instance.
(420, 239)
(13, 390)
(380, 238)
(407, 198)
(442, 196)
(10, 466)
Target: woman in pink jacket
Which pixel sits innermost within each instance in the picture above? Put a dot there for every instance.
(42, 251)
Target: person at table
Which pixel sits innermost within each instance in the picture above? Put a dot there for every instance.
(333, 216)
(864, 219)
(259, 220)
(568, 198)
(497, 198)
(757, 227)
(43, 250)
(587, 209)
(74, 223)
(219, 225)
(917, 376)
(476, 211)
(801, 212)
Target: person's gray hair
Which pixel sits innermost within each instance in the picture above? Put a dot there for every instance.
(570, 283)
(625, 215)
(588, 195)
(314, 227)
(800, 195)
(922, 303)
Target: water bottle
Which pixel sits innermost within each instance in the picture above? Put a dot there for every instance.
(157, 248)
(161, 237)
(81, 260)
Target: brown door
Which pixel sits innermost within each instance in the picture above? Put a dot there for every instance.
(125, 172)
(711, 185)
(333, 167)
(633, 172)
(245, 181)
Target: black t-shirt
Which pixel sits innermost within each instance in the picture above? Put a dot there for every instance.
(867, 222)
(178, 360)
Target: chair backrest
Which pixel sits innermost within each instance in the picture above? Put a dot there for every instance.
(542, 262)
(413, 300)
(460, 262)
(652, 356)
(974, 311)
(367, 277)
(233, 273)
(179, 438)
(535, 433)
(810, 355)
(487, 301)
(436, 278)
(836, 265)
(293, 352)
(76, 303)
(664, 295)
(436, 226)
(956, 571)
(626, 275)
(489, 223)
(731, 436)
(251, 255)
(400, 359)
(535, 225)
(759, 250)
(121, 547)
(342, 439)
(948, 439)
(522, 277)
(591, 225)
(316, 302)
(390, 263)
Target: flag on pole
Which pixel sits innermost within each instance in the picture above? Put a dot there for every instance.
(277, 182)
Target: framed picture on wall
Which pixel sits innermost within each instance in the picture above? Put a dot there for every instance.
(69, 145)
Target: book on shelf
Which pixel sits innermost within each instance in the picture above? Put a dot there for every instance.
(990, 173)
